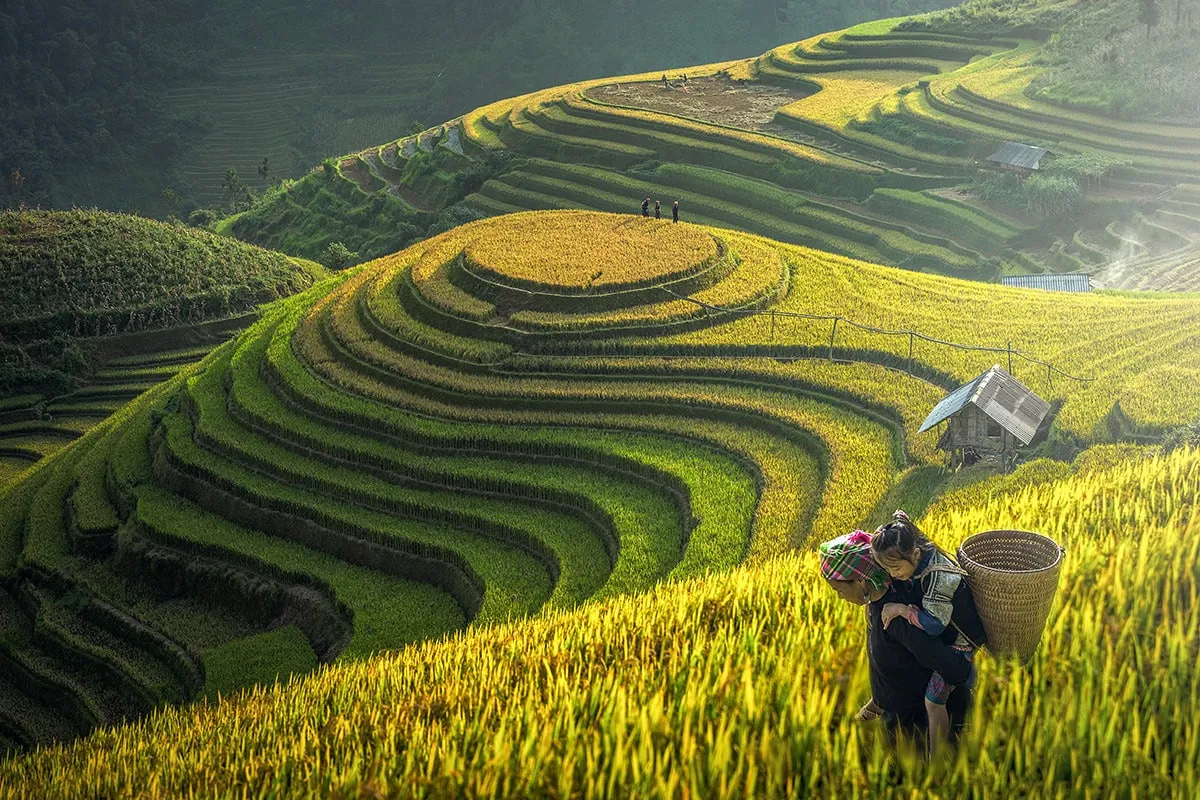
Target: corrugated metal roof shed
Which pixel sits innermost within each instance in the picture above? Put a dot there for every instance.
(999, 395)
(1013, 154)
(1051, 283)
(952, 403)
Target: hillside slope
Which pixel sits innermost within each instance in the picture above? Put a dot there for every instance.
(94, 274)
(524, 415)
(99, 307)
(870, 142)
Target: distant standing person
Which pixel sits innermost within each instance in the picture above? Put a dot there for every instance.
(646, 207)
(675, 212)
(664, 80)
(657, 210)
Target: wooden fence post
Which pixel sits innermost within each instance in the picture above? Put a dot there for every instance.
(910, 349)
(1010, 358)
(832, 336)
(1049, 377)
(772, 326)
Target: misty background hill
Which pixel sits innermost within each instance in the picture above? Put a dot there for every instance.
(144, 105)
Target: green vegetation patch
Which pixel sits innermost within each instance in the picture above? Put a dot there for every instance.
(272, 657)
(89, 273)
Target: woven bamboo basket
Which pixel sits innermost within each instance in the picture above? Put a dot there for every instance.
(1013, 576)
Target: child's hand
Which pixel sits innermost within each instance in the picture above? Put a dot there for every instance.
(893, 610)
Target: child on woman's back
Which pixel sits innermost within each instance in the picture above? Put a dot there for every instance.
(900, 548)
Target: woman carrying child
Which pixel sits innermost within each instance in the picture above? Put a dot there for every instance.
(946, 611)
(902, 658)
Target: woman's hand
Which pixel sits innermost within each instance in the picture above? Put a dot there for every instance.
(893, 610)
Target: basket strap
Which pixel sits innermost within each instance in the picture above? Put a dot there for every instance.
(970, 641)
(957, 570)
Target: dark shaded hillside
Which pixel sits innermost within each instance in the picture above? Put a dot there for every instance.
(72, 276)
(145, 104)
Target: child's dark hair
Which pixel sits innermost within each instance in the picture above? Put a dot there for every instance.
(900, 534)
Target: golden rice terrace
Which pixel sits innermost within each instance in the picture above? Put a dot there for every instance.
(873, 142)
(484, 427)
(469, 434)
(563, 258)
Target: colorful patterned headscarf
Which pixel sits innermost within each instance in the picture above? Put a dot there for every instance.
(848, 558)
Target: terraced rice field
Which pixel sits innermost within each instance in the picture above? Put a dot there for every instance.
(853, 142)
(880, 112)
(798, 148)
(525, 415)
(562, 416)
(33, 427)
(291, 106)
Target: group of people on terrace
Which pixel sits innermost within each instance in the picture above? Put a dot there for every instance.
(923, 628)
(658, 209)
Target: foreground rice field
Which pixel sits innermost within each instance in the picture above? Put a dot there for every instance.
(734, 685)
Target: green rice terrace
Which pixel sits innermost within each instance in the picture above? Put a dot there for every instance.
(100, 307)
(543, 415)
(518, 418)
(870, 142)
(526, 503)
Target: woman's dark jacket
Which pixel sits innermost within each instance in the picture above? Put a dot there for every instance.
(903, 658)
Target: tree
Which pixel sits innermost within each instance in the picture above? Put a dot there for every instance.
(1052, 196)
(1087, 167)
(1148, 14)
(237, 194)
(18, 188)
(202, 217)
(338, 256)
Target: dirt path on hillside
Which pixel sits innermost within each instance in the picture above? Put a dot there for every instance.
(740, 104)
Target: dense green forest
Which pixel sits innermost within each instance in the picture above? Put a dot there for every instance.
(94, 104)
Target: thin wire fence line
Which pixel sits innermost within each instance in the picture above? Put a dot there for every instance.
(836, 319)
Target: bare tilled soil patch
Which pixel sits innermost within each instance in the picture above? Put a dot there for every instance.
(358, 172)
(740, 104)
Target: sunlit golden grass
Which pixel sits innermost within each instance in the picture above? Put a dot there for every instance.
(844, 95)
(1110, 338)
(735, 685)
(578, 251)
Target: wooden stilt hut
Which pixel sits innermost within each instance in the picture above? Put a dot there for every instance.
(990, 416)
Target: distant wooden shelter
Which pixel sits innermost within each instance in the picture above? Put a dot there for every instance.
(1072, 282)
(992, 415)
(1022, 159)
